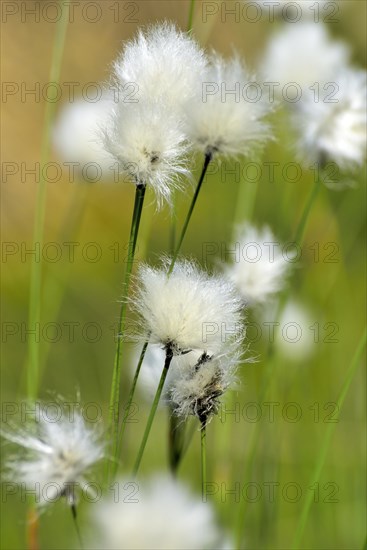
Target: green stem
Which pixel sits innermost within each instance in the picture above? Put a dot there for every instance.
(130, 398)
(326, 441)
(55, 285)
(203, 461)
(191, 16)
(245, 202)
(207, 159)
(38, 230)
(176, 441)
(252, 446)
(73, 513)
(169, 356)
(115, 387)
(298, 238)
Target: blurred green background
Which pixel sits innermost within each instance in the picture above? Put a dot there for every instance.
(86, 292)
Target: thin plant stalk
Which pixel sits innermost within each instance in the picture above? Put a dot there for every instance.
(315, 478)
(32, 529)
(191, 16)
(115, 387)
(153, 410)
(130, 397)
(298, 237)
(73, 513)
(203, 460)
(176, 441)
(207, 159)
(252, 446)
(38, 229)
(246, 199)
(174, 207)
(54, 287)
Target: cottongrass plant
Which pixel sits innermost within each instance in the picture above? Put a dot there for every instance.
(145, 135)
(227, 115)
(148, 143)
(222, 121)
(287, 61)
(187, 310)
(54, 457)
(164, 63)
(335, 130)
(260, 269)
(161, 513)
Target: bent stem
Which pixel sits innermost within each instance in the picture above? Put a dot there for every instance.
(38, 229)
(115, 386)
(153, 410)
(203, 460)
(326, 442)
(207, 159)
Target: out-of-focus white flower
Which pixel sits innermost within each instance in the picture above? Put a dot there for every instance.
(157, 515)
(76, 136)
(226, 116)
(260, 269)
(197, 391)
(334, 128)
(295, 334)
(295, 339)
(149, 145)
(163, 62)
(187, 310)
(304, 54)
(56, 455)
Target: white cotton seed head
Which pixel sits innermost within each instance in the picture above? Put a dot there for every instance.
(147, 141)
(160, 514)
(53, 455)
(287, 60)
(197, 391)
(220, 118)
(260, 270)
(163, 63)
(152, 367)
(76, 135)
(335, 130)
(188, 310)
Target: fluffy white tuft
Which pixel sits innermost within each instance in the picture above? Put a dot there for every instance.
(149, 145)
(260, 270)
(58, 454)
(228, 123)
(163, 62)
(163, 516)
(188, 310)
(335, 131)
(287, 59)
(197, 390)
